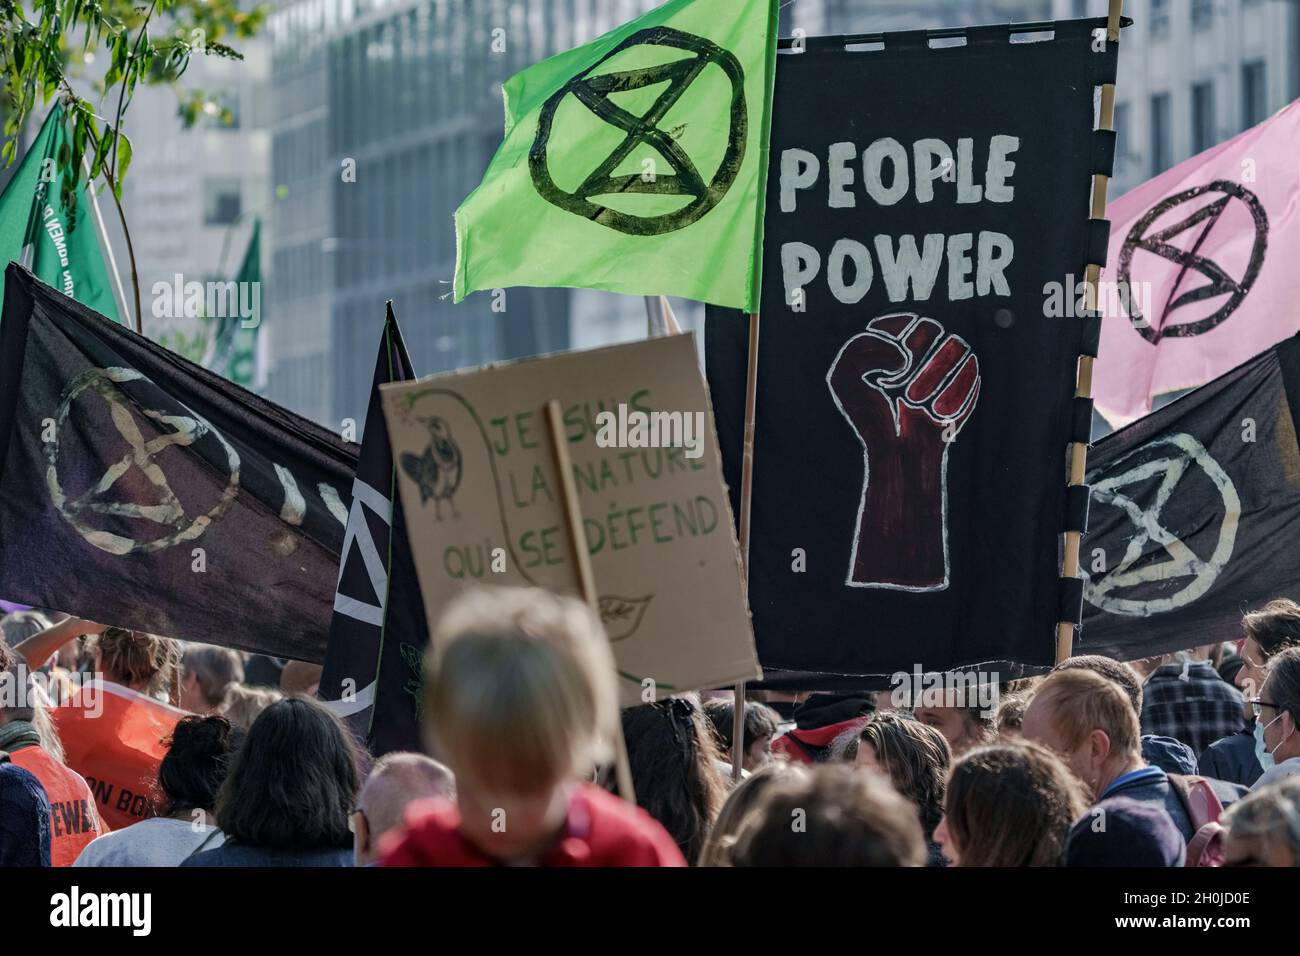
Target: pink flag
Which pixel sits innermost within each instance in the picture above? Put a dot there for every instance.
(1203, 269)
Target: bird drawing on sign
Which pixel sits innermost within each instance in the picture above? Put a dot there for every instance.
(437, 470)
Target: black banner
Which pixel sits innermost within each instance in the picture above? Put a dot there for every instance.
(916, 371)
(1194, 514)
(141, 490)
(378, 611)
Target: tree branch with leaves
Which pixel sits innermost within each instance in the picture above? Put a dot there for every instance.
(49, 49)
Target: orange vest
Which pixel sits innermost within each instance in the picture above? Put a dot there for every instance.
(73, 820)
(119, 749)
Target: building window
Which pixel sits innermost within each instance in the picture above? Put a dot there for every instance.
(1161, 139)
(1202, 13)
(1158, 17)
(221, 204)
(1123, 148)
(1203, 131)
(1254, 100)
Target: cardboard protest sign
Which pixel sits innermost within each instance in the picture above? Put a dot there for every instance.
(483, 504)
(926, 208)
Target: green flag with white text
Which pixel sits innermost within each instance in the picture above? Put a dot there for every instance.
(234, 352)
(44, 209)
(636, 163)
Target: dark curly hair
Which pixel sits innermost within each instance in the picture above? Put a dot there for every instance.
(198, 758)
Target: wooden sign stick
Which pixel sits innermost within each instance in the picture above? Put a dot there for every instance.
(746, 497)
(582, 561)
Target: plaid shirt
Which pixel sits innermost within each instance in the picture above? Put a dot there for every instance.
(1192, 703)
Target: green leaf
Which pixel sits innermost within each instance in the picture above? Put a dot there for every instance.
(124, 153)
(101, 153)
(78, 140)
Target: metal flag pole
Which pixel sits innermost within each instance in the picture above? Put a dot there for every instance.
(108, 250)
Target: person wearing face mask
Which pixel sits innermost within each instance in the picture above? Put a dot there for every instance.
(1277, 714)
(1266, 633)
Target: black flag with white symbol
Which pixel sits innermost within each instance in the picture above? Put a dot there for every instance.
(141, 490)
(378, 609)
(1193, 515)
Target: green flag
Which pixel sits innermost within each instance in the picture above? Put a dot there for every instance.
(65, 248)
(636, 163)
(234, 353)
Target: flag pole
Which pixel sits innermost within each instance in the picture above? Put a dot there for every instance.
(659, 317)
(582, 561)
(1083, 389)
(751, 382)
(653, 322)
(746, 500)
(670, 320)
(108, 249)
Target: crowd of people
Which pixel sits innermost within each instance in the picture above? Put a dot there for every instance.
(120, 748)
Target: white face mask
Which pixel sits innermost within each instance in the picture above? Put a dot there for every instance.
(1262, 753)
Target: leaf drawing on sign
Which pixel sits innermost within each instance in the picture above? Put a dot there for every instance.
(622, 616)
(438, 469)
(415, 686)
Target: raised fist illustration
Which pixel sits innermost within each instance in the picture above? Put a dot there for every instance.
(907, 388)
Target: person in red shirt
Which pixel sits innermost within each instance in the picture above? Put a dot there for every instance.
(520, 702)
(74, 821)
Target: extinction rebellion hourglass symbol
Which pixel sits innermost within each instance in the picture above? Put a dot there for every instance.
(594, 90)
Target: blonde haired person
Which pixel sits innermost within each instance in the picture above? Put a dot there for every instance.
(1090, 723)
(244, 703)
(29, 740)
(113, 727)
(520, 703)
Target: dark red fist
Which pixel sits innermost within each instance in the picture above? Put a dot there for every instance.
(907, 389)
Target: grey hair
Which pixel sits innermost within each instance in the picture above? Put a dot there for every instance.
(1271, 813)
